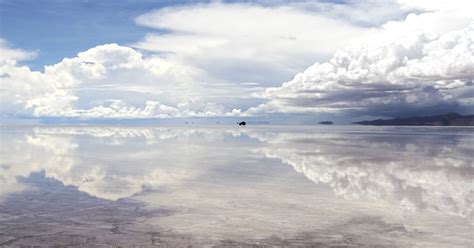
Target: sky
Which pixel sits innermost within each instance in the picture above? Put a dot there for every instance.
(279, 61)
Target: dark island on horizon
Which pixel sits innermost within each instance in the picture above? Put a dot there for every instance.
(449, 119)
(325, 123)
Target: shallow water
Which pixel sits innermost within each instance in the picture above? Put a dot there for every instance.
(237, 186)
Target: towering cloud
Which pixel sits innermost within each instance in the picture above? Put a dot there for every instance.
(417, 72)
(425, 62)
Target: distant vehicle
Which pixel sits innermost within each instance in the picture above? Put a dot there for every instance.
(242, 123)
(325, 123)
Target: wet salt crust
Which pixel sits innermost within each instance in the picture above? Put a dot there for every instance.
(228, 186)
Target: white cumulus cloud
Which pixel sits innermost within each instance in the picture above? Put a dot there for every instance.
(108, 81)
(230, 59)
(12, 55)
(419, 70)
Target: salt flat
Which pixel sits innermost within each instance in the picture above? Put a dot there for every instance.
(182, 186)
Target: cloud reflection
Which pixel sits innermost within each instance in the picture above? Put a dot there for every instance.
(417, 171)
(430, 169)
(105, 162)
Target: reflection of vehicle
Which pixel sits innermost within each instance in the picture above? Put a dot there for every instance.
(242, 123)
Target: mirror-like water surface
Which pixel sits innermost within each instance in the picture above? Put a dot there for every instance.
(224, 186)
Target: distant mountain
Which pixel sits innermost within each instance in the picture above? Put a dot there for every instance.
(449, 119)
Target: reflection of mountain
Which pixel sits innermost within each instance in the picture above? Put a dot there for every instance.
(411, 169)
